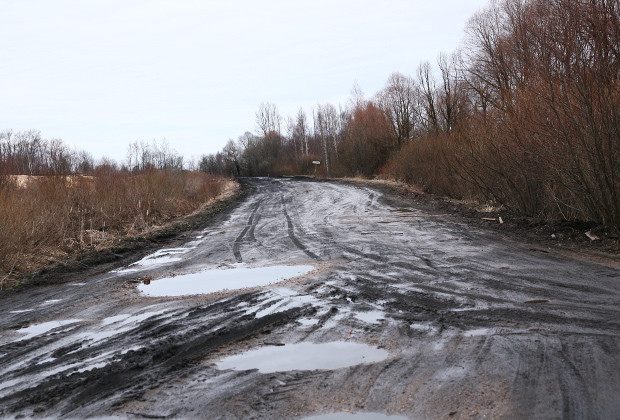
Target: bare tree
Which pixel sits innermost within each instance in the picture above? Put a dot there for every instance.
(268, 119)
(452, 98)
(357, 99)
(428, 89)
(301, 130)
(399, 101)
(327, 128)
(232, 154)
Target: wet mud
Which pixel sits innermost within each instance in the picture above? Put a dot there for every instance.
(404, 313)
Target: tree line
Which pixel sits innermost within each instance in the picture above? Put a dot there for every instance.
(525, 115)
(27, 153)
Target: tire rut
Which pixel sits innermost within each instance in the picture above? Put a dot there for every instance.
(291, 234)
(251, 224)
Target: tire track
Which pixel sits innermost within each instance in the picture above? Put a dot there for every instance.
(291, 234)
(251, 225)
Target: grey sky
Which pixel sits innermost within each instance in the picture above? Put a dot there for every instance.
(101, 74)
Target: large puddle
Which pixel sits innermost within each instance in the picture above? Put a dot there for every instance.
(304, 356)
(217, 280)
(354, 416)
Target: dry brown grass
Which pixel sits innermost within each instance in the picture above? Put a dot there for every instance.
(44, 219)
(383, 180)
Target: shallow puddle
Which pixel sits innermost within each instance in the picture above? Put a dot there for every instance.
(116, 325)
(370, 317)
(304, 356)
(161, 257)
(308, 322)
(217, 280)
(355, 416)
(478, 332)
(278, 300)
(43, 328)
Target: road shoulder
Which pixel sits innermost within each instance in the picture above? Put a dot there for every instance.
(564, 237)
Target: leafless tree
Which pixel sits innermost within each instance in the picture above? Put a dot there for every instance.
(452, 97)
(399, 102)
(301, 129)
(268, 119)
(428, 97)
(357, 99)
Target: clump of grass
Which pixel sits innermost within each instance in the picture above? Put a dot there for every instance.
(50, 217)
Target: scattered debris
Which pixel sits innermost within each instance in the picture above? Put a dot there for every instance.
(534, 301)
(553, 236)
(591, 236)
(493, 219)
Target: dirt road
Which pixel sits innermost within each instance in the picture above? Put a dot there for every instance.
(396, 311)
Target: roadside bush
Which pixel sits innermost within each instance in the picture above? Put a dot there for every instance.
(425, 163)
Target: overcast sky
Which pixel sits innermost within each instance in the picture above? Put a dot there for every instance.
(100, 74)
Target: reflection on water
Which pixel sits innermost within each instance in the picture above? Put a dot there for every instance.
(355, 416)
(304, 356)
(217, 280)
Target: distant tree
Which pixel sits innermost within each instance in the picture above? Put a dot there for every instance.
(368, 141)
(300, 131)
(357, 98)
(268, 119)
(452, 98)
(145, 155)
(428, 105)
(399, 101)
(232, 156)
(327, 129)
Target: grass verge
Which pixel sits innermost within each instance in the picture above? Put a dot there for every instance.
(53, 225)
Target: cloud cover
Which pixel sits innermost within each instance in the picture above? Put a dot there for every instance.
(101, 74)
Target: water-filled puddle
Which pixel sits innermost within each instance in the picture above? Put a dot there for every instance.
(217, 280)
(304, 356)
(161, 257)
(370, 317)
(43, 328)
(308, 322)
(355, 416)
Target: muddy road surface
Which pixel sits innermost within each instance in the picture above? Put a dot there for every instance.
(312, 298)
